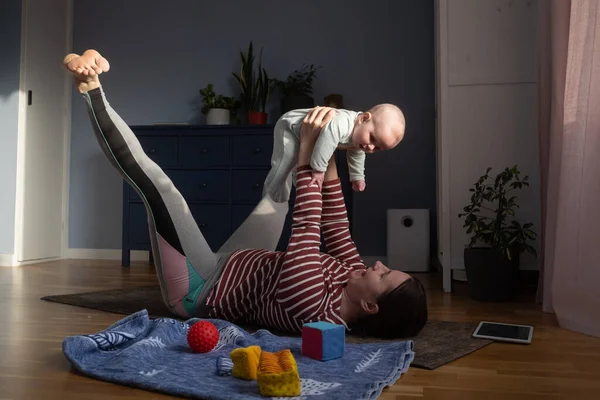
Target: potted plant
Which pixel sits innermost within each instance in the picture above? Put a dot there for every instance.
(217, 108)
(254, 85)
(492, 255)
(297, 89)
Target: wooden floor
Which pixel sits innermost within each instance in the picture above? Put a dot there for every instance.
(558, 365)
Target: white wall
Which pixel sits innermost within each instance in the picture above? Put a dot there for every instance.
(487, 99)
(10, 61)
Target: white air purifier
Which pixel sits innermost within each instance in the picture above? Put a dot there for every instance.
(408, 240)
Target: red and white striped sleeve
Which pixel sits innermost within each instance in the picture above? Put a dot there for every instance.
(336, 227)
(301, 286)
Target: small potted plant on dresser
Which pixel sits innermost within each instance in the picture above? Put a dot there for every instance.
(217, 108)
(297, 89)
(254, 85)
(492, 256)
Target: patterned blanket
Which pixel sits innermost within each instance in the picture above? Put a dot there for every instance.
(154, 355)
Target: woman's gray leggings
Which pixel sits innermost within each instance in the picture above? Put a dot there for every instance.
(186, 266)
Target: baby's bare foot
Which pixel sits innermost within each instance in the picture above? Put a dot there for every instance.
(86, 69)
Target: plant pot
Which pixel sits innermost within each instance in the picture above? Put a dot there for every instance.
(491, 276)
(257, 118)
(334, 100)
(218, 116)
(295, 102)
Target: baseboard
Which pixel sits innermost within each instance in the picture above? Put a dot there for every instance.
(105, 254)
(459, 275)
(6, 260)
(436, 262)
(527, 277)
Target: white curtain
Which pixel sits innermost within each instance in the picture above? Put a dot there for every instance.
(569, 126)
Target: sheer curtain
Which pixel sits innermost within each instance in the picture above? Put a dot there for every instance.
(569, 129)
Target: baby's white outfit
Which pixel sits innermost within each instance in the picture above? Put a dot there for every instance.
(286, 145)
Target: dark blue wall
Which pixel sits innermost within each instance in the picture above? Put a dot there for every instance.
(163, 52)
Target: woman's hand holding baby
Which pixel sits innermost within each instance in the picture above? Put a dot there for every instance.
(312, 124)
(314, 121)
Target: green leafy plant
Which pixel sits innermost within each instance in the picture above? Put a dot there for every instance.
(493, 202)
(298, 83)
(264, 89)
(212, 100)
(254, 84)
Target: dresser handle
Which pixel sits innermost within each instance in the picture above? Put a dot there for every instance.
(256, 150)
(203, 185)
(203, 151)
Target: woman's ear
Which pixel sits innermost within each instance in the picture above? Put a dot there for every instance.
(369, 307)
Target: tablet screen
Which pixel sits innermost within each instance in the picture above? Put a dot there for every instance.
(504, 331)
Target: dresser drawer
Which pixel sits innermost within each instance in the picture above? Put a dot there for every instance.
(239, 213)
(138, 222)
(248, 185)
(202, 185)
(214, 223)
(161, 149)
(204, 151)
(252, 150)
(133, 196)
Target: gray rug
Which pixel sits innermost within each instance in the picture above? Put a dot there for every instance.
(437, 344)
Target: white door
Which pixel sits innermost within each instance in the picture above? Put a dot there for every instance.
(487, 101)
(44, 109)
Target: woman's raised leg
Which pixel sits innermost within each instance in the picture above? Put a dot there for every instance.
(261, 229)
(183, 258)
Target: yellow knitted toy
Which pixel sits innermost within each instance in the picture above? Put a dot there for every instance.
(245, 362)
(278, 374)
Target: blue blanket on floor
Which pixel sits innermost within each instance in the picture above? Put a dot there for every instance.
(154, 355)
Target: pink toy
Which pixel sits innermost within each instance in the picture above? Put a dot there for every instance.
(203, 336)
(323, 341)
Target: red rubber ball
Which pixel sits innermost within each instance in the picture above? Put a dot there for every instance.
(203, 336)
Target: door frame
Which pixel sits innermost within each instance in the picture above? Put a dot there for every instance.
(19, 210)
(442, 154)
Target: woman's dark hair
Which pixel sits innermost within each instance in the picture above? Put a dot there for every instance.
(402, 312)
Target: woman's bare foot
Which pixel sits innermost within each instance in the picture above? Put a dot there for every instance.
(86, 69)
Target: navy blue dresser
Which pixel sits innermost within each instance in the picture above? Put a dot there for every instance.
(219, 170)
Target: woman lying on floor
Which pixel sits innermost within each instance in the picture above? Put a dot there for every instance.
(246, 280)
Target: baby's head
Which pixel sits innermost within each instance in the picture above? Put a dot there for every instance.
(380, 128)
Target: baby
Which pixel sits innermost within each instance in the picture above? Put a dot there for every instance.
(379, 128)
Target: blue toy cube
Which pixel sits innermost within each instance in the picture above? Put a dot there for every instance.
(323, 340)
